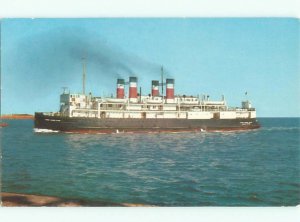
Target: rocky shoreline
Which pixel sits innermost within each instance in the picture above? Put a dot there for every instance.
(29, 200)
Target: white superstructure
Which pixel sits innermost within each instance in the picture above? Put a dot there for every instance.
(151, 107)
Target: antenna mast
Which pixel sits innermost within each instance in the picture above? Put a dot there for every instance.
(162, 81)
(83, 75)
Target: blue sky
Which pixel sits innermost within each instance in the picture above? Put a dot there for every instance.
(205, 56)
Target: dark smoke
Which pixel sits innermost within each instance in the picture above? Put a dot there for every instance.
(56, 55)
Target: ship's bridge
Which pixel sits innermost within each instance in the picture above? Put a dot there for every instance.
(71, 101)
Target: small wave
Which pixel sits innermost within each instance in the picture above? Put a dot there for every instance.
(280, 128)
(37, 130)
(297, 185)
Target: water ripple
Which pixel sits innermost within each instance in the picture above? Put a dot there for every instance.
(255, 168)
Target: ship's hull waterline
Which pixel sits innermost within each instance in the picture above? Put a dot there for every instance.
(131, 125)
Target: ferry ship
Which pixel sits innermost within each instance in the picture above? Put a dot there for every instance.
(133, 112)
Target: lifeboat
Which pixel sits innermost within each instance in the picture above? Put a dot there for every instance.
(113, 100)
(213, 103)
(153, 101)
(186, 102)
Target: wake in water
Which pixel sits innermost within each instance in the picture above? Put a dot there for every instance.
(37, 130)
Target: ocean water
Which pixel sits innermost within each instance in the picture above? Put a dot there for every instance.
(254, 168)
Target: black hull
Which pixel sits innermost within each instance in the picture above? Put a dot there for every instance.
(90, 125)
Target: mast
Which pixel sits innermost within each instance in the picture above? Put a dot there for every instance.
(162, 81)
(83, 75)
